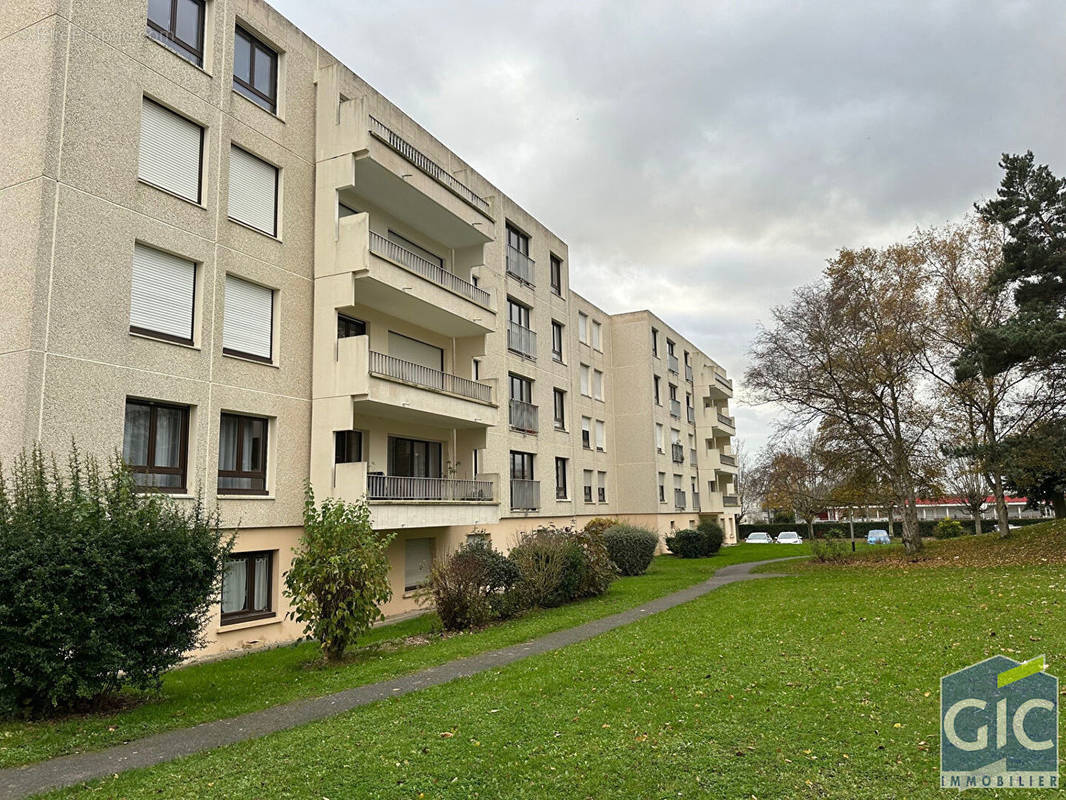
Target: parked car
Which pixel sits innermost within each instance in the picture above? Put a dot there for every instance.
(789, 537)
(877, 536)
(759, 537)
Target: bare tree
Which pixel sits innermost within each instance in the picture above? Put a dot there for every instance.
(749, 494)
(965, 481)
(793, 475)
(848, 350)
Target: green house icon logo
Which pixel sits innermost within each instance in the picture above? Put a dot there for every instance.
(999, 726)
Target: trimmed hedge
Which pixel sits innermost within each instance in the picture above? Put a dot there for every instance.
(688, 543)
(927, 527)
(630, 547)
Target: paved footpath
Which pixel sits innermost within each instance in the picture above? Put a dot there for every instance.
(56, 773)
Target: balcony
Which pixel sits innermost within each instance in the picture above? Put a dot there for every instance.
(730, 500)
(520, 266)
(435, 273)
(723, 425)
(675, 409)
(525, 495)
(679, 499)
(727, 460)
(691, 414)
(688, 373)
(696, 501)
(521, 340)
(387, 366)
(671, 363)
(523, 416)
(403, 502)
(677, 453)
(720, 388)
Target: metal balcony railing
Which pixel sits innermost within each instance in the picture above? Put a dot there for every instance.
(399, 487)
(677, 452)
(688, 373)
(520, 265)
(727, 420)
(675, 409)
(730, 500)
(523, 416)
(521, 340)
(724, 381)
(428, 166)
(695, 501)
(679, 499)
(728, 460)
(432, 379)
(525, 495)
(691, 412)
(671, 363)
(434, 273)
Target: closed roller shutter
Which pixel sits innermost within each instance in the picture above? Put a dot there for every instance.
(418, 559)
(416, 352)
(247, 324)
(162, 292)
(171, 149)
(253, 194)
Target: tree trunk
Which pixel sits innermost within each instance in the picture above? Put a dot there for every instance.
(810, 528)
(977, 522)
(1059, 504)
(891, 521)
(912, 534)
(851, 526)
(1001, 504)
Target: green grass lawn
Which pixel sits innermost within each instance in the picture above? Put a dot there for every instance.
(821, 684)
(211, 691)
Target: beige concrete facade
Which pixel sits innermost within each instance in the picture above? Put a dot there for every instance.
(377, 221)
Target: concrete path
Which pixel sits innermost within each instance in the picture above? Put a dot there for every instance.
(19, 782)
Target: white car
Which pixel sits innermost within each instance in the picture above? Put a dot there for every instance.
(759, 537)
(789, 537)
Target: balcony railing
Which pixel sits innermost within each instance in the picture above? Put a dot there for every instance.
(675, 409)
(523, 416)
(691, 412)
(521, 340)
(695, 501)
(730, 500)
(688, 373)
(724, 381)
(728, 460)
(428, 166)
(525, 495)
(671, 363)
(726, 420)
(434, 273)
(677, 453)
(679, 499)
(520, 265)
(427, 378)
(398, 487)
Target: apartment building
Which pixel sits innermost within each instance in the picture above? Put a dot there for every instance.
(231, 260)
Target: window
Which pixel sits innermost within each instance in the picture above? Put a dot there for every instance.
(597, 336)
(521, 466)
(517, 240)
(601, 435)
(601, 487)
(597, 384)
(588, 485)
(560, 479)
(162, 293)
(517, 313)
(675, 436)
(673, 392)
(584, 372)
(586, 433)
(248, 320)
(669, 347)
(556, 279)
(557, 341)
(349, 326)
(559, 406)
(347, 447)
(582, 328)
(417, 561)
(658, 397)
(253, 191)
(242, 454)
(655, 342)
(662, 487)
(178, 25)
(155, 443)
(521, 388)
(475, 367)
(246, 587)
(171, 151)
(659, 439)
(255, 70)
(414, 458)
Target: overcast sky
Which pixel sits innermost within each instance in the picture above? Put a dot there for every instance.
(703, 159)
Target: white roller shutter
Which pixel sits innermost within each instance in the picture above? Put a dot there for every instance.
(418, 559)
(416, 352)
(162, 291)
(253, 194)
(171, 150)
(247, 324)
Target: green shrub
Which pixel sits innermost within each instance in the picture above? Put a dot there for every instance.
(599, 524)
(688, 543)
(831, 549)
(948, 529)
(473, 586)
(101, 587)
(713, 535)
(339, 576)
(835, 533)
(598, 570)
(559, 565)
(631, 547)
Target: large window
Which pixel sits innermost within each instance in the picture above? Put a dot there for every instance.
(253, 191)
(418, 560)
(247, 320)
(162, 292)
(242, 454)
(521, 466)
(246, 587)
(559, 409)
(347, 447)
(560, 479)
(255, 70)
(171, 151)
(349, 326)
(414, 458)
(557, 341)
(155, 443)
(179, 25)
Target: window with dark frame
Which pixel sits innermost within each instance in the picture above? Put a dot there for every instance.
(655, 342)
(557, 341)
(586, 433)
(349, 326)
(155, 444)
(658, 396)
(521, 466)
(560, 479)
(521, 388)
(347, 447)
(255, 70)
(601, 487)
(242, 454)
(179, 26)
(559, 406)
(517, 240)
(247, 587)
(588, 486)
(557, 275)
